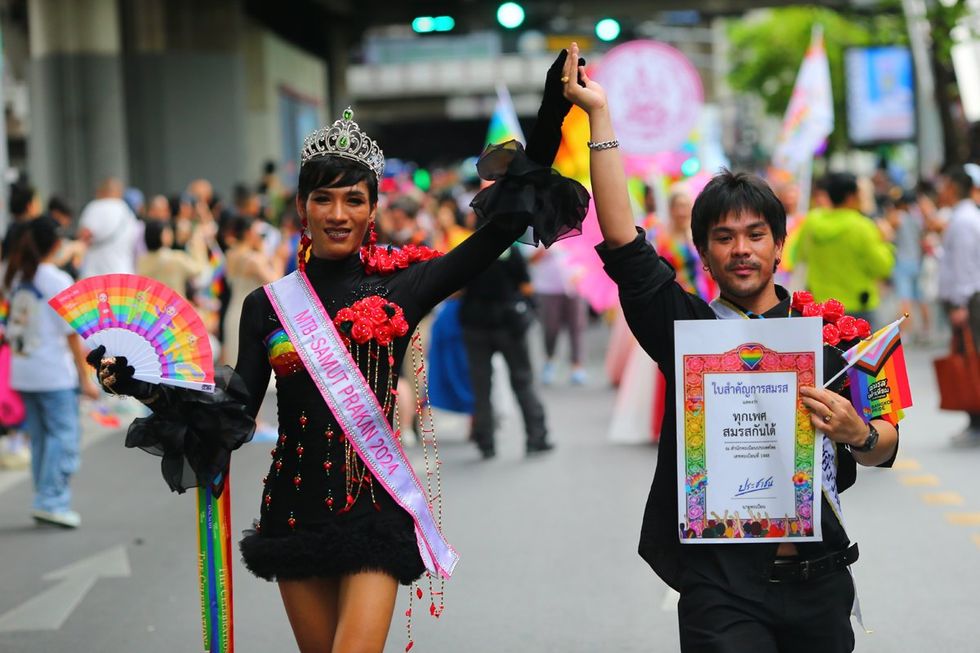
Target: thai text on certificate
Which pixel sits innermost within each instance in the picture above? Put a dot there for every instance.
(748, 458)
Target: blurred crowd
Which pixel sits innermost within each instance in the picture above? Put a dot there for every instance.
(880, 246)
(215, 250)
(908, 259)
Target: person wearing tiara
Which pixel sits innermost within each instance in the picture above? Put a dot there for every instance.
(343, 518)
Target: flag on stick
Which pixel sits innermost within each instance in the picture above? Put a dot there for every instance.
(878, 375)
(810, 115)
(504, 125)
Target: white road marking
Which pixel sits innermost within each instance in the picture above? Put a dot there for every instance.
(51, 608)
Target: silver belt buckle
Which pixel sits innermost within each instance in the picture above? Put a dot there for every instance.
(805, 570)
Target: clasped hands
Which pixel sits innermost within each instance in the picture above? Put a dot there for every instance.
(835, 416)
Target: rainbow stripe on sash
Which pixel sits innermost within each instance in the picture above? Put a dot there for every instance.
(214, 565)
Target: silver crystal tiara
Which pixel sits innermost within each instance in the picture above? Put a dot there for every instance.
(345, 139)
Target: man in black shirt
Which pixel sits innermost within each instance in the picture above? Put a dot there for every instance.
(495, 316)
(734, 597)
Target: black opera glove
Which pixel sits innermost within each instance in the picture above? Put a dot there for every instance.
(119, 373)
(545, 138)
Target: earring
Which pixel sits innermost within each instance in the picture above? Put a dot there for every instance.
(303, 251)
(705, 268)
(372, 236)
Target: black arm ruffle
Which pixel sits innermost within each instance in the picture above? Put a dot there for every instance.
(526, 193)
(195, 432)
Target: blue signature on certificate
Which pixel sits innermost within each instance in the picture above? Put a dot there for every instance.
(749, 486)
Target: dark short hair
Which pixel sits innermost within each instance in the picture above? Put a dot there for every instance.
(962, 181)
(21, 196)
(840, 186)
(58, 204)
(153, 234)
(239, 225)
(335, 172)
(736, 193)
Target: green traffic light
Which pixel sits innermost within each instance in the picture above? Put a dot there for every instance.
(607, 29)
(425, 24)
(510, 15)
(444, 23)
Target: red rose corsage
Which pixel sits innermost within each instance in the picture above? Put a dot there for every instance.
(385, 260)
(372, 318)
(838, 327)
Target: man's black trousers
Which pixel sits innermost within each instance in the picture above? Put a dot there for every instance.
(804, 617)
(481, 344)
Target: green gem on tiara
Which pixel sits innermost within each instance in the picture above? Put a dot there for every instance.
(345, 139)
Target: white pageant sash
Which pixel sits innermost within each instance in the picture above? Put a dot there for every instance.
(725, 311)
(354, 405)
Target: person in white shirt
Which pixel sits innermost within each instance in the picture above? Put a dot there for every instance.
(109, 229)
(47, 368)
(959, 269)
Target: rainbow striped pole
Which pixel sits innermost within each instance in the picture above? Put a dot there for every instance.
(214, 565)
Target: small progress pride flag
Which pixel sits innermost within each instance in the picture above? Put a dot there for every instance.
(878, 376)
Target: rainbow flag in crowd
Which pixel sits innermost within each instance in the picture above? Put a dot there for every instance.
(504, 125)
(878, 376)
(216, 263)
(809, 117)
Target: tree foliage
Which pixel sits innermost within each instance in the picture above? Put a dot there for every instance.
(767, 49)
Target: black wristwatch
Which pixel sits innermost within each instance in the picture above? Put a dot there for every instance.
(871, 442)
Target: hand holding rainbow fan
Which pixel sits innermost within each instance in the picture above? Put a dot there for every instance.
(157, 330)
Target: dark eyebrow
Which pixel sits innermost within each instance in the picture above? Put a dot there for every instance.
(754, 225)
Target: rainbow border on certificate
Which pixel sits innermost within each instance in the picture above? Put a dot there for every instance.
(697, 524)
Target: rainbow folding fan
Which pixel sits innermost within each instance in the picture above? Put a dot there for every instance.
(157, 330)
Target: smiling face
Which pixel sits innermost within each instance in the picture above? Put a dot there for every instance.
(742, 254)
(337, 219)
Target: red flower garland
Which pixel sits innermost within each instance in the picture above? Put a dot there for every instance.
(372, 318)
(839, 327)
(385, 260)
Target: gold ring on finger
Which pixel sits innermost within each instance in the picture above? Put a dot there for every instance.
(827, 418)
(564, 79)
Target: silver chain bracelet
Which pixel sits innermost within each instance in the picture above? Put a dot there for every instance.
(604, 145)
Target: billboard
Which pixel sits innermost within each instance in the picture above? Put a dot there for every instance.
(880, 94)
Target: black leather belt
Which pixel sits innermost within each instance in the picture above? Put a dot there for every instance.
(793, 570)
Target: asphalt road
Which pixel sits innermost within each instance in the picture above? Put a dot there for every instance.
(548, 547)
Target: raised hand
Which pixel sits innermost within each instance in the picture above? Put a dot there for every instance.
(580, 90)
(545, 138)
